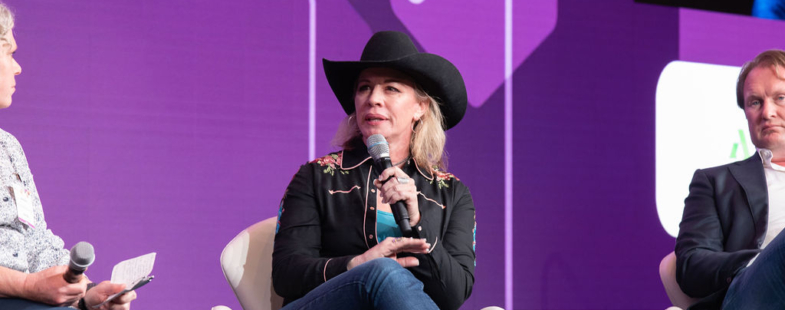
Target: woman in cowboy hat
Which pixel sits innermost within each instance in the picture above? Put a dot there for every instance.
(337, 244)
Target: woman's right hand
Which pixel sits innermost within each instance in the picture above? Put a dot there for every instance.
(390, 247)
(49, 287)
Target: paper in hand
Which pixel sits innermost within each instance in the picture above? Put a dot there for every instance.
(133, 272)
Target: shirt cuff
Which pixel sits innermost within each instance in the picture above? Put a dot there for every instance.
(752, 260)
(335, 266)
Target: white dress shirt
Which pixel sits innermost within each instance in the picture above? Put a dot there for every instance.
(775, 182)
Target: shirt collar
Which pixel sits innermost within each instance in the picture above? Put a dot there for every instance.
(358, 155)
(354, 157)
(765, 157)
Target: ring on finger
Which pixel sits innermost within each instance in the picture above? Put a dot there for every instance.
(403, 180)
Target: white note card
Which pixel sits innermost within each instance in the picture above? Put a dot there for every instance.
(132, 270)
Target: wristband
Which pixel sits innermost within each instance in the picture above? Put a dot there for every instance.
(82, 304)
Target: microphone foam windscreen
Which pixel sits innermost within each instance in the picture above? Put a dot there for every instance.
(378, 147)
(82, 254)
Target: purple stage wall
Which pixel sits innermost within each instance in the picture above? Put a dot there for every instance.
(169, 126)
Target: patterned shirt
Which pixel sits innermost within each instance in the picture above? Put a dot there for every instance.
(22, 247)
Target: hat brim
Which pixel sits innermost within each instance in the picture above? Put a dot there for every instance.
(436, 75)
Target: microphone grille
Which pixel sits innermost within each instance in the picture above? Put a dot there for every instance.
(82, 254)
(378, 147)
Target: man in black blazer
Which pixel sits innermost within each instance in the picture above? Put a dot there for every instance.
(730, 252)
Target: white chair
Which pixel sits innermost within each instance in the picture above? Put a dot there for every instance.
(247, 263)
(678, 298)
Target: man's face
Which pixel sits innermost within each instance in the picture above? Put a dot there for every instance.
(764, 106)
(9, 69)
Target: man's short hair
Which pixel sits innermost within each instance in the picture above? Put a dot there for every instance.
(775, 58)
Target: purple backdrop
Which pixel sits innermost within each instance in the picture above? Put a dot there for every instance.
(170, 126)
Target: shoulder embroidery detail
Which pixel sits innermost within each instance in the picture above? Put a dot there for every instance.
(441, 176)
(330, 162)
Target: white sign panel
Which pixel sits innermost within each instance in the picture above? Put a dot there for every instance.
(698, 125)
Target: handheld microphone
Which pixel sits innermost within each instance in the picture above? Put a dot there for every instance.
(82, 256)
(380, 152)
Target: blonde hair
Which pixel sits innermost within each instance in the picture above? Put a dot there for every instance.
(426, 145)
(773, 58)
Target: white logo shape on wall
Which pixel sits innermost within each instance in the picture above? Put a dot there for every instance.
(698, 125)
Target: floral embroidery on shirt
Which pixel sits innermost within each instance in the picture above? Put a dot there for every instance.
(441, 176)
(329, 162)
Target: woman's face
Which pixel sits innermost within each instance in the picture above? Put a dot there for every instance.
(9, 68)
(386, 104)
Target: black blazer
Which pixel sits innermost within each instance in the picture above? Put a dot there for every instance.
(724, 223)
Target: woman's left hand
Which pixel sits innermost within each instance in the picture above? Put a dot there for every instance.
(389, 248)
(399, 188)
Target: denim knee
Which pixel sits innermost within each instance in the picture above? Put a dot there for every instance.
(383, 264)
(387, 273)
(379, 268)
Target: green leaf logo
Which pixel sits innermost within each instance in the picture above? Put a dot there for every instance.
(743, 142)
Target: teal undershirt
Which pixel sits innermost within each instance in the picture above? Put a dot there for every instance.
(386, 226)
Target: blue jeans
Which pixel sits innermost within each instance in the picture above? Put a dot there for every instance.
(762, 284)
(24, 304)
(378, 284)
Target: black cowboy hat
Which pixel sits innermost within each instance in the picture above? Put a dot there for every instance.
(391, 49)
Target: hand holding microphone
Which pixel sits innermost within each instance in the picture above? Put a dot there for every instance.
(60, 285)
(82, 256)
(380, 152)
(398, 189)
